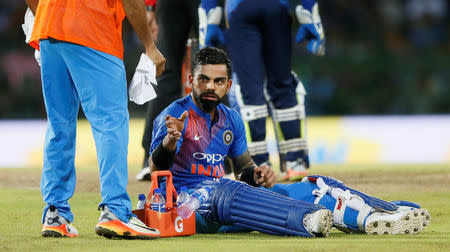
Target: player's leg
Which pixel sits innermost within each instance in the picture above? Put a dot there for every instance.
(354, 211)
(103, 96)
(242, 208)
(58, 171)
(206, 226)
(288, 112)
(100, 81)
(398, 217)
(309, 192)
(175, 19)
(244, 42)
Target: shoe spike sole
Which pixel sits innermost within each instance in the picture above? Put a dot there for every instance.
(412, 222)
(50, 233)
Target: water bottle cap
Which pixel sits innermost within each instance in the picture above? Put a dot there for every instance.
(141, 196)
(158, 190)
(183, 189)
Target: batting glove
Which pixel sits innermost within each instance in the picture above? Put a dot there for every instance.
(310, 28)
(210, 33)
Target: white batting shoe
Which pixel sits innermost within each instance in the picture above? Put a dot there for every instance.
(406, 220)
(319, 222)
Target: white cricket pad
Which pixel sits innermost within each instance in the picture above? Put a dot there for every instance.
(295, 144)
(256, 148)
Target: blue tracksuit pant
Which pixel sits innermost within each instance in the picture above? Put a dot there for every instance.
(74, 75)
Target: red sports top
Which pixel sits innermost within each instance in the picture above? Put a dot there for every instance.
(93, 23)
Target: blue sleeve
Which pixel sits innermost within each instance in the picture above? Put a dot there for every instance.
(239, 144)
(159, 132)
(209, 4)
(160, 129)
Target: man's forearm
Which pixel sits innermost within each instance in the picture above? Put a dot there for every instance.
(32, 4)
(162, 158)
(243, 168)
(169, 144)
(135, 11)
(242, 162)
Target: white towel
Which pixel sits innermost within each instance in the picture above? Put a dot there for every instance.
(141, 89)
(27, 27)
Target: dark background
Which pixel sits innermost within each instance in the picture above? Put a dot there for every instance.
(383, 57)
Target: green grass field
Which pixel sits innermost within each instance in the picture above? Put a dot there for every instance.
(21, 204)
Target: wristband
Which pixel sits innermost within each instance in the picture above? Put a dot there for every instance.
(247, 176)
(162, 158)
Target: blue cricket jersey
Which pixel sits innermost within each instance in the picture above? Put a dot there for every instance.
(201, 151)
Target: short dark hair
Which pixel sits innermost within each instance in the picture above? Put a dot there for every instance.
(214, 56)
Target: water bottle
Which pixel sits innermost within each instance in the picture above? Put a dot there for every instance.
(158, 203)
(141, 202)
(183, 196)
(193, 203)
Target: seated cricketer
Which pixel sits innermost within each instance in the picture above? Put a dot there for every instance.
(194, 135)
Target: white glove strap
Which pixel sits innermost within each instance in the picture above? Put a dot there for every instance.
(215, 16)
(304, 16)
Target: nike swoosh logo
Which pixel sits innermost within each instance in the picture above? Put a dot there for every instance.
(196, 138)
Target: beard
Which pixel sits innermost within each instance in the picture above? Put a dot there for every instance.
(205, 104)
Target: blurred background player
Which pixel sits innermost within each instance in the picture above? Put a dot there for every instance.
(171, 23)
(81, 63)
(259, 40)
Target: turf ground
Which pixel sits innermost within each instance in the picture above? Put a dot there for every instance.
(21, 204)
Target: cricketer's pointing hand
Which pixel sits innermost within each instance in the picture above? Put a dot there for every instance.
(174, 128)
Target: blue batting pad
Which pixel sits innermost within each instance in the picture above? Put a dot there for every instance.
(238, 204)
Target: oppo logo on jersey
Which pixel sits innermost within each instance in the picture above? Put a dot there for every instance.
(210, 158)
(214, 170)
